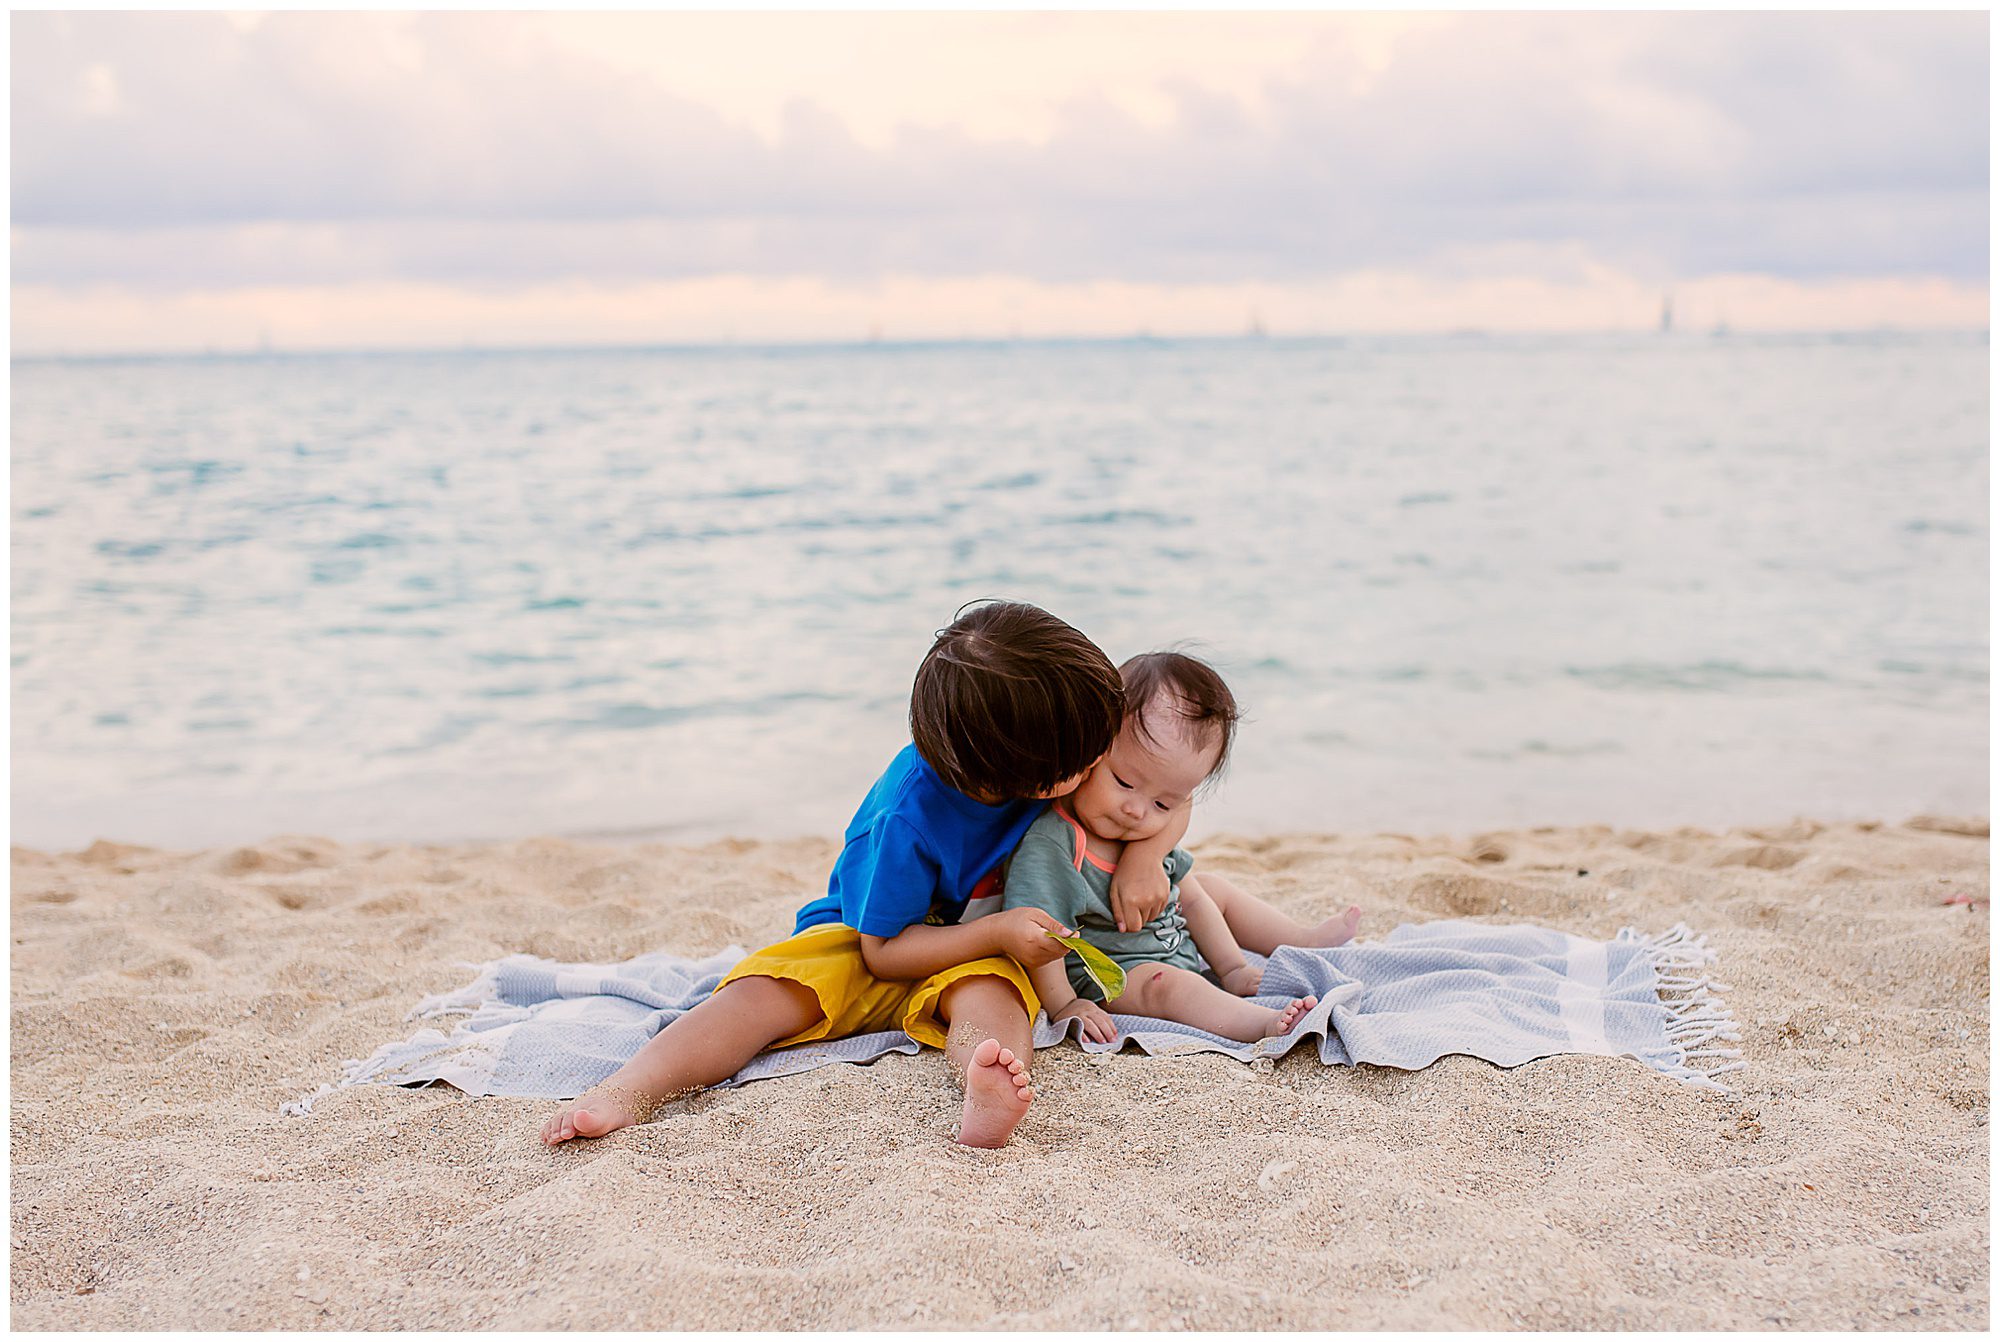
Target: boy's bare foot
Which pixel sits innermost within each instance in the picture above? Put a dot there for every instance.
(997, 1095)
(602, 1109)
(1335, 931)
(1284, 1019)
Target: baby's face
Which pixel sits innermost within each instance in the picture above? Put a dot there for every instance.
(1132, 790)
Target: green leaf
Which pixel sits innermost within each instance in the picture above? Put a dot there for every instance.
(1103, 970)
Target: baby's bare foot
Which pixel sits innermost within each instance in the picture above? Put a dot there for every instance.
(1283, 1020)
(1337, 930)
(602, 1109)
(997, 1095)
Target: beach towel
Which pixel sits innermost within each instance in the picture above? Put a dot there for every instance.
(1508, 995)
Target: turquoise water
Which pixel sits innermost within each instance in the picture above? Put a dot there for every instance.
(1458, 583)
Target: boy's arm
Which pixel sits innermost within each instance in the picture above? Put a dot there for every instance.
(920, 950)
(1214, 940)
(1139, 888)
(893, 881)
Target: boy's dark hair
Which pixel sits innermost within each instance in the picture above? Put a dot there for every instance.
(1192, 689)
(1010, 701)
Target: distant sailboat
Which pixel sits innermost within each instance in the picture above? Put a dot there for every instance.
(1667, 313)
(1254, 328)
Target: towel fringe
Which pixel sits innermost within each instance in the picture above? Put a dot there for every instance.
(483, 989)
(362, 1071)
(1698, 1020)
(476, 997)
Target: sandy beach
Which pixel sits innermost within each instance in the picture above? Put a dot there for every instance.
(166, 1003)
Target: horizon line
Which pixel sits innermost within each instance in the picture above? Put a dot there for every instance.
(248, 353)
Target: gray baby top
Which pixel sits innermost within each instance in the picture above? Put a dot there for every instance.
(1052, 869)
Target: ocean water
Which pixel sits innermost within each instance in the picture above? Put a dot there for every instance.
(1457, 583)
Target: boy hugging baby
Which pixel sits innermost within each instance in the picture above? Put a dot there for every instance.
(1011, 708)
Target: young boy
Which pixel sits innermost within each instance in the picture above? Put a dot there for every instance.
(1010, 706)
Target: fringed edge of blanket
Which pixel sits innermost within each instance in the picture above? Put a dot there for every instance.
(484, 990)
(1700, 1024)
(478, 997)
(362, 1071)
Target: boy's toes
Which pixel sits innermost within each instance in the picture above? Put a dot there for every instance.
(987, 1051)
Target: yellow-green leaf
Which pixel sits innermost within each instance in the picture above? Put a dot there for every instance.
(1103, 970)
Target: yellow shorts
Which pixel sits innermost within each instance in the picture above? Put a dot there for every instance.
(827, 959)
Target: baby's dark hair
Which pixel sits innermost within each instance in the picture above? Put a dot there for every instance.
(1010, 701)
(1192, 689)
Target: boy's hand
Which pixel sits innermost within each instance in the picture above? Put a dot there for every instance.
(1024, 934)
(1138, 897)
(1097, 1023)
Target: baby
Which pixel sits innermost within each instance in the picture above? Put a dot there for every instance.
(1179, 721)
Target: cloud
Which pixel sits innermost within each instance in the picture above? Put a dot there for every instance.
(165, 152)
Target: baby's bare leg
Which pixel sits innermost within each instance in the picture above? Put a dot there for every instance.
(1259, 927)
(1172, 993)
(988, 1043)
(708, 1044)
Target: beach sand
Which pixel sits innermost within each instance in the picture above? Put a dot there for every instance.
(165, 1004)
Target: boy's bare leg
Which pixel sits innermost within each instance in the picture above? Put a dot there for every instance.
(1172, 993)
(1259, 927)
(708, 1044)
(988, 1043)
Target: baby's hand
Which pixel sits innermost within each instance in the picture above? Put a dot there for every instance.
(1244, 980)
(1097, 1023)
(1138, 897)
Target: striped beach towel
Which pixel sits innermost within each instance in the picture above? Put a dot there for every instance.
(1508, 995)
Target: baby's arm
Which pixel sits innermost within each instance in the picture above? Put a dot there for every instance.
(1062, 1003)
(1215, 942)
(1041, 879)
(1139, 888)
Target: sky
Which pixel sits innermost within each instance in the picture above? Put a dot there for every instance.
(224, 181)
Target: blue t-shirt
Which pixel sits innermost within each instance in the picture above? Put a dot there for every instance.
(914, 851)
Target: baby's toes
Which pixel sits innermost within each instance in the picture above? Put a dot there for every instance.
(1296, 1010)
